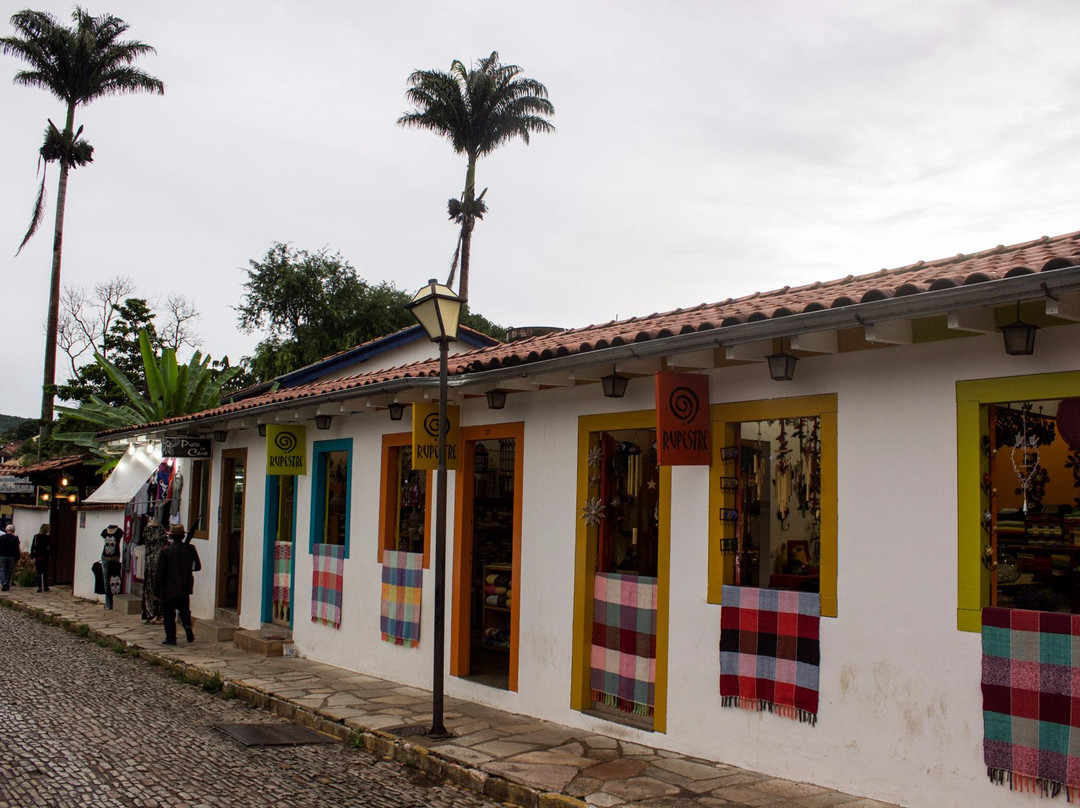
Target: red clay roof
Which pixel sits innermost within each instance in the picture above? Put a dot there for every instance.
(1042, 255)
(52, 464)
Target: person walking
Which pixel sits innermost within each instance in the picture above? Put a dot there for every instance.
(41, 552)
(110, 563)
(175, 583)
(10, 550)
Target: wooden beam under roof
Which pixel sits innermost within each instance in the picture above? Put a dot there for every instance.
(693, 360)
(1064, 307)
(749, 351)
(818, 342)
(889, 332)
(976, 321)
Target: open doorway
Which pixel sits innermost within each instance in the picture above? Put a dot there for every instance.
(231, 534)
(486, 558)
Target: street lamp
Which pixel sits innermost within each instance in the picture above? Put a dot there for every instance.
(437, 309)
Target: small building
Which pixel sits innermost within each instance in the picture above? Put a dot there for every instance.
(799, 502)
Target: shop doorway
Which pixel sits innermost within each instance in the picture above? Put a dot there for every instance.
(487, 592)
(279, 550)
(231, 532)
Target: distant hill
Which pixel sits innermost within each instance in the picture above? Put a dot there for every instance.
(9, 421)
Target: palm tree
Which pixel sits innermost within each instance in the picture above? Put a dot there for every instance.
(477, 109)
(76, 64)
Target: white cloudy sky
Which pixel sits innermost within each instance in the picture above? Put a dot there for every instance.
(704, 150)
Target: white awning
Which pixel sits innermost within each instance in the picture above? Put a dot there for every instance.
(130, 475)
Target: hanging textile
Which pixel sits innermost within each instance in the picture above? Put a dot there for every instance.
(328, 571)
(282, 596)
(770, 651)
(402, 578)
(623, 655)
(1031, 693)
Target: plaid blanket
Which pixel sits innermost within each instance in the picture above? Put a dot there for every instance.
(282, 597)
(328, 568)
(402, 577)
(624, 642)
(769, 651)
(1031, 700)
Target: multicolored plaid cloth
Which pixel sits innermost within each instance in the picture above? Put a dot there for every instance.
(770, 651)
(402, 578)
(624, 642)
(327, 572)
(282, 571)
(1031, 700)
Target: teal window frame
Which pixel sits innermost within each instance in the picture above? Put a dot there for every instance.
(319, 450)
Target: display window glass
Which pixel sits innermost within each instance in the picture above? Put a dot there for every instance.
(330, 493)
(199, 501)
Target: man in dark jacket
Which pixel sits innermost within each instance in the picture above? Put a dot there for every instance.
(10, 550)
(175, 583)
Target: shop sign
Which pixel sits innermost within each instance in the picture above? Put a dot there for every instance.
(286, 450)
(179, 446)
(10, 484)
(682, 419)
(425, 436)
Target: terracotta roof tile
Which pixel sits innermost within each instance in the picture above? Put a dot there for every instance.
(1040, 255)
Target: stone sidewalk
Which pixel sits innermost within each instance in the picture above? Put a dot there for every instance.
(513, 758)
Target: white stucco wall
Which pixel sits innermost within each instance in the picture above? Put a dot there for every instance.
(900, 716)
(27, 520)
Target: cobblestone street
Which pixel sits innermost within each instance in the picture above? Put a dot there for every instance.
(82, 725)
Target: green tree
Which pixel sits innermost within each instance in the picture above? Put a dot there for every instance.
(477, 109)
(312, 305)
(77, 64)
(166, 389)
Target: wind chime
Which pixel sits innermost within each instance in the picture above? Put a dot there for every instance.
(1027, 445)
(784, 478)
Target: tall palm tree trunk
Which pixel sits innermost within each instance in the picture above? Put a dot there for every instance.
(468, 221)
(48, 384)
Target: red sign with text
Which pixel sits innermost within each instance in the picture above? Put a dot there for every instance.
(682, 419)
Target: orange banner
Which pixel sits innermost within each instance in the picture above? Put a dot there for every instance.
(682, 419)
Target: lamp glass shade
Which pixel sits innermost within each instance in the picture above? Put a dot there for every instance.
(220, 435)
(782, 366)
(397, 409)
(614, 385)
(1019, 338)
(262, 430)
(438, 310)
(496, 399)
(323, 421)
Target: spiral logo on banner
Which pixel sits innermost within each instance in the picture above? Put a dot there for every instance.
(285, 441)
(684, 404)
(431, 424)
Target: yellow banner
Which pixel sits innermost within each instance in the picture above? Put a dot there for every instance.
(425, 436)
(286, 449)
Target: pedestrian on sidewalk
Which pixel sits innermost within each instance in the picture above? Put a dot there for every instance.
(10, 550)
(110, 563)
(176, 583)
(41, 551)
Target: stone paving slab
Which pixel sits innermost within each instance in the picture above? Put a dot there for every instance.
(513, 758)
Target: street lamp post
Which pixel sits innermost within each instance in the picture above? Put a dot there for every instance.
(438, 309)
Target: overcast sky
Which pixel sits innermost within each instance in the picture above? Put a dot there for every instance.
(704, 150)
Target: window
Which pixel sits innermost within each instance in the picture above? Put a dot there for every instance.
(199, 501)
(772, 496)
(330, 493)
(405, 499)
(1018, 496)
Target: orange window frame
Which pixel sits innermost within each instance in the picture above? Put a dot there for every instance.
(388, 496)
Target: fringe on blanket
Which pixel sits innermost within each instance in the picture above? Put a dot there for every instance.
(761, 705)
(1032, 785)
(400, 641)
(627, 706)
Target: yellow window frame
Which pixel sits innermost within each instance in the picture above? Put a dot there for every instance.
(585, 566)
(972, 399)
(725, 421)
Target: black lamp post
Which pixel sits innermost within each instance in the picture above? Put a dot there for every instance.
(437, 309)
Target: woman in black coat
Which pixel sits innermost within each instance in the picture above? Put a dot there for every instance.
(41, 552)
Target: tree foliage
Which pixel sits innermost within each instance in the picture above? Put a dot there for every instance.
(167, 389)
(477, 109)
(313, 304)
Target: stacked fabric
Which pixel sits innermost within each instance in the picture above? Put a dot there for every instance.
(497, 590)
(497, 637)
(1010, 524)
(1071, 529)
(1044, 528)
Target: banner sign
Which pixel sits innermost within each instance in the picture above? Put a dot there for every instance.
(425, 436)
(286, 449)
(9, 484)
(179, 446)
(682, 419)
